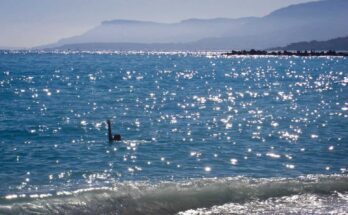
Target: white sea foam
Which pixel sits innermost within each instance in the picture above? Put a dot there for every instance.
(317, 194)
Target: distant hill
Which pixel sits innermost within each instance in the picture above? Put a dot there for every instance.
(11, 48)
(318, 20)
(127, 46)
(338, 44)
(130, 31)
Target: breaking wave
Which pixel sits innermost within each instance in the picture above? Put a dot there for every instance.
(196, 196)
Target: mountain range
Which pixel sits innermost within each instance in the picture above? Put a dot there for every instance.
(337, 44)
(318, 20)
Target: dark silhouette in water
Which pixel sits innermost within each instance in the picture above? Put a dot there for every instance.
(116, 137)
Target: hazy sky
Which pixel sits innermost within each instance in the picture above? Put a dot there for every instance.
(28, 23)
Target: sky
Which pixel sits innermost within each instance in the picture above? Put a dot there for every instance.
(30, 23)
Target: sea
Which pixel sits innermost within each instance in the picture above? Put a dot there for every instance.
(202, 133)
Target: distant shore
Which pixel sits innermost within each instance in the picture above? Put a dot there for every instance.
(287, 53)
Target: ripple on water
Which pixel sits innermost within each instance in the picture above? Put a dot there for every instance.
(181, 115)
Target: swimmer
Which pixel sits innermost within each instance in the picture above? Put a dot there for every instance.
(116, 137)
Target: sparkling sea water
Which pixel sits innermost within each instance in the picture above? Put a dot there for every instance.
(202, 133)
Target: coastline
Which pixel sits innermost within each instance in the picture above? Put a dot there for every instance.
(287, 53)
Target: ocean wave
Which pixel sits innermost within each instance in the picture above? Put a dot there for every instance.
(336, 203)
(197, 196)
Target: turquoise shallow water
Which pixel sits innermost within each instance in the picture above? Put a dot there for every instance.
(184, 118)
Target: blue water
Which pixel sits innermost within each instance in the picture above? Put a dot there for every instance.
(184, 118)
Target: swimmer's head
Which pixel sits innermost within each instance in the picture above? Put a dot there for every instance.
(117, 137)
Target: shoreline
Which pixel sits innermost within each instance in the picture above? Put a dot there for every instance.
(306, 53)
